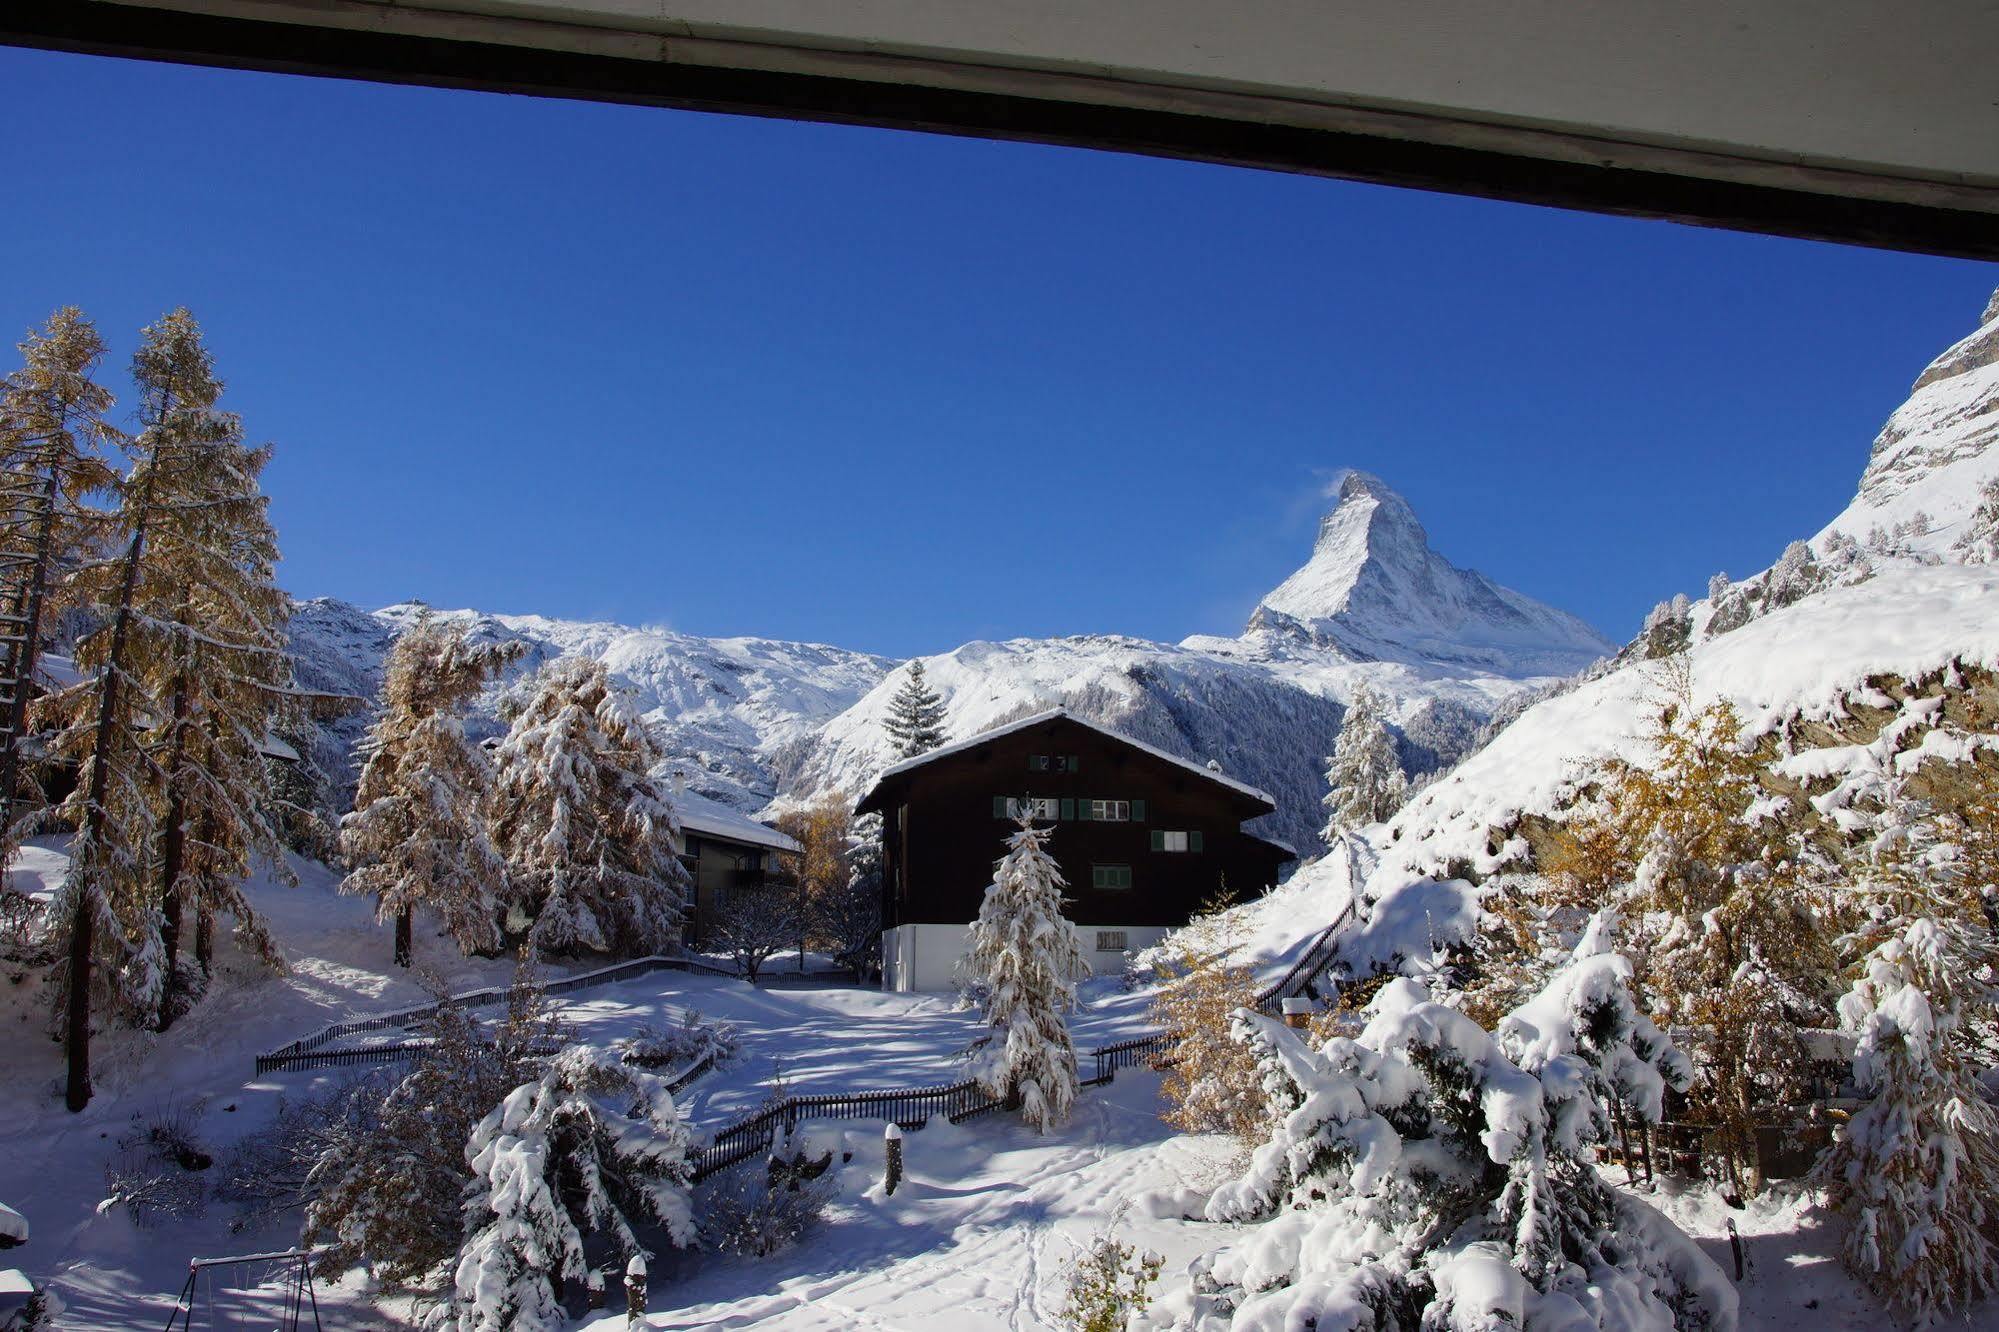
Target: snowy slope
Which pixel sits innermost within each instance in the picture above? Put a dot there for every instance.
(1445, 648)
(733, 711)
(1904, 606)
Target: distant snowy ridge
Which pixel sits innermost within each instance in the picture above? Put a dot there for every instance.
(1443, 647)
(1880, 593)
(733, 711)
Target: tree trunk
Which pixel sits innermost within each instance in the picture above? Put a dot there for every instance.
(173, 855)
(204, 940)
(25, 657)
(403, 949)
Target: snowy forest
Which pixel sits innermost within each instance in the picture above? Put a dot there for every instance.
(349, 953)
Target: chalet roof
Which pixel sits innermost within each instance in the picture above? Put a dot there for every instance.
(709, 818)
(1063, 714)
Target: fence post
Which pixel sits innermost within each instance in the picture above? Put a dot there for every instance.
(1297, 1013)
(635, 1289)
(891, 1157)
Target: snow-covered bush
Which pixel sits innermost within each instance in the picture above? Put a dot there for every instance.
(754, 923)
(1428, 1174)
(592, 1150)
(586, 831)
(1212, 1084)
(268, 1174)
(760, 1207)
(388, 1189)
(681, 1046)
(1025, 955)
(1109, 1285)
(151, 1186)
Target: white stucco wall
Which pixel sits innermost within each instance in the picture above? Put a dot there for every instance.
(925, 957)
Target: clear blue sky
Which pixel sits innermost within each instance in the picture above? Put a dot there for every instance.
(896, 391)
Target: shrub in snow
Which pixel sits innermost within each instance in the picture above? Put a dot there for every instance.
(388, 1188)
(1212, 1084)
(754, 924)
(674, 1048)
(1364, 776)
(268, 1174)
(1109, 1285)
(848, 915)
(586, 831)
(760, 1207)
(591, 1149)
(915, 722)
(1025, 956)
(151, 1186)
(1428, 1174)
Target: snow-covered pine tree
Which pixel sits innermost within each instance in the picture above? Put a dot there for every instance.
(1916, 1170)
(1428, 1173)
(1979, 542)
(1025, 958)
(915, 715)
(586, 830)
(594, 1147)
(850, 916)
(108, 913)
(419, 835)
(1364, 775)
(52, 436)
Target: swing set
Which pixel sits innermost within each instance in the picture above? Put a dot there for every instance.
(290, 1272)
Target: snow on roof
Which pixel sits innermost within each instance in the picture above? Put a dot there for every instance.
(1052, 714)
(13, 1226)
(698, 814)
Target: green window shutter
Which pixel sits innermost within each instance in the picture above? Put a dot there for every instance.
(1075, 763)
(1068, 809)
(1083, 811)
(1193, 841)
(1138, 813)
(1158, 840)
(999, 807)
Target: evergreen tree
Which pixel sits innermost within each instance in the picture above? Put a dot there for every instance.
(850, 916)
(52, 434)
(594, 1147)
(586, 830)
(1915, 1170)
(1429, 1173)
(169, 514)
(418, 835)
(1026, 960)
(1978, 543)
(1364, 776)
(915, 715)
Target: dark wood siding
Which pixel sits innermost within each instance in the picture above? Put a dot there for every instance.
(942, 837)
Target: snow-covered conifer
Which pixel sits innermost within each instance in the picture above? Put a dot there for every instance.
(586, 830)
(1364, 773)
(850, 916)
(1428, 1173)
(593, 1147)
(52, 436)
(915, 715)
(1025, 958)
(1979, 542)
(418, 836)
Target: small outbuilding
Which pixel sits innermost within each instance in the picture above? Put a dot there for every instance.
(1143, 837)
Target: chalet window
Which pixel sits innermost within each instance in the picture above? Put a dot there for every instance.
(1110, 811)
(1110, 876)
(1110, 941)
(1168, 840)
(1052, 763)
(1041, 807)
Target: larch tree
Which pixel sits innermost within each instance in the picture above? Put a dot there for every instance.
(419, 832)
(1364, 776)
(53, 435)
(825, 829)
(585, 828)
(108, 913)
(1026, 960)
(915, 715)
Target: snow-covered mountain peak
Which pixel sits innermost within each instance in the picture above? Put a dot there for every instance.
(1375, 589)
(1929, 461)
